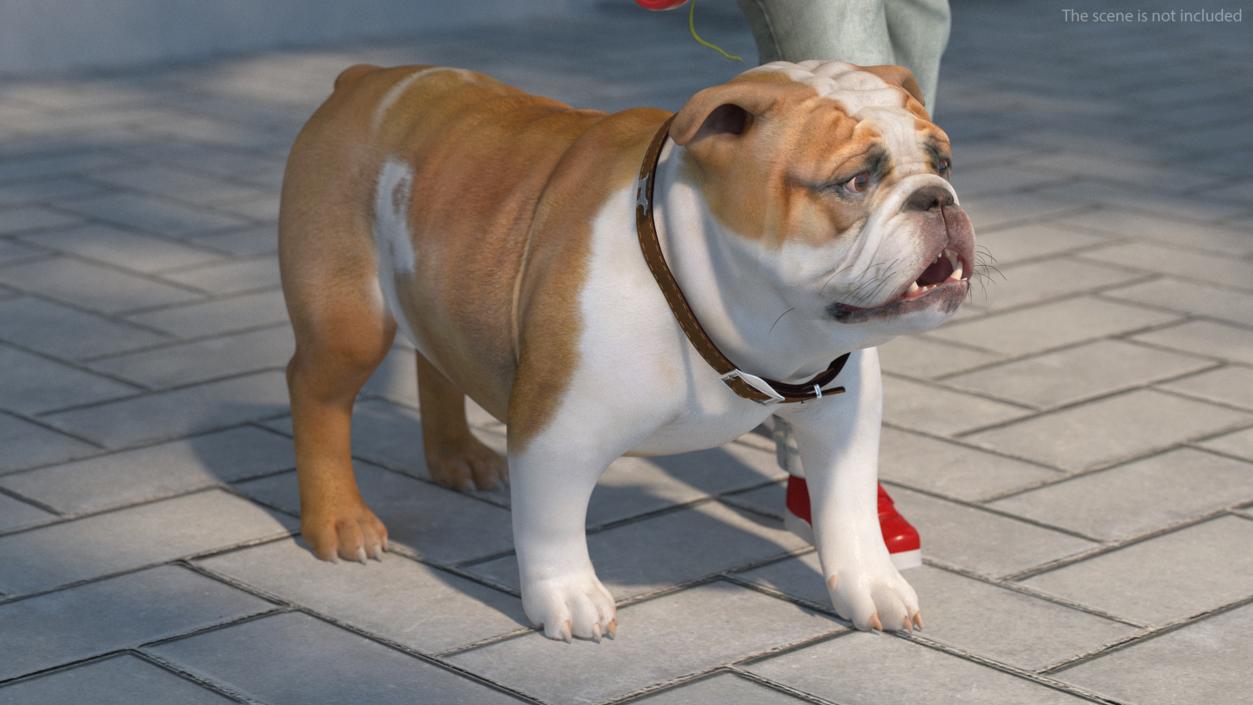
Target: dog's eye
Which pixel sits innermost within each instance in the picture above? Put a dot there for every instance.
(943, 167)
(857, 184)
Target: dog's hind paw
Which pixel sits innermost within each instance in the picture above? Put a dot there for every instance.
(467, 465)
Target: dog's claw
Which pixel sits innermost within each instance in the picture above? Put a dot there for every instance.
(613, 628)
(567, 632)
(918, 621)
(875, 624)
(361, 555)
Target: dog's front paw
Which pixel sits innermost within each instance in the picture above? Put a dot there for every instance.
(871, 594)
(574, 605)
(466, 464)
(349, 531)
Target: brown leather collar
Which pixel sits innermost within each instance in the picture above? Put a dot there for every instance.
(758, 389)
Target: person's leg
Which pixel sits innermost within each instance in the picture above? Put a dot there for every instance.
(911, 33)
(919, 31)
(796, 30)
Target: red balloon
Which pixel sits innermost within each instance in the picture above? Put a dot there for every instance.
(660, 4)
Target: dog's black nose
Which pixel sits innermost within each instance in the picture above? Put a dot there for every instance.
(929, 198)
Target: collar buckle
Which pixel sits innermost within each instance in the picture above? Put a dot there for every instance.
(757, 383)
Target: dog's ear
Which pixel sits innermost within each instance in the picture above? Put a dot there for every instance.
(900, 77)
(725, 109)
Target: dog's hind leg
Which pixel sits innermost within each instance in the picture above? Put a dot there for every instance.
(454, 457)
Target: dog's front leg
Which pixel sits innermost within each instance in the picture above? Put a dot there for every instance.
(838, 438)
(552, 481)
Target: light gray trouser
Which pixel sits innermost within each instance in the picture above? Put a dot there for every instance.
(910, 33)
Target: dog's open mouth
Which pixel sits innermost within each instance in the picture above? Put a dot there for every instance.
(946, 267)
(943, 282)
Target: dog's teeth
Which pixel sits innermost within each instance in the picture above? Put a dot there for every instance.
(957, 273)
(912, 288)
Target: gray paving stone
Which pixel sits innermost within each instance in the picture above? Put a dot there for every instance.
(258, 659)
(1181, 233)
(1042, 280)
(47, 190)
(914, 356)
(1077, 373)
(1133, 171)
(877, 670)
(1239, 444)
(672, 548)
(67, 333)
(120, 248)
(15, 514)
(1138, 497)
(91, 286)
(1050, 325)
(117, 541)
(437, 524)
(1190, 297)
(976, 617)
(175, 183)
(212, 358)
(1170, 577)
(657, 641)
(979, 541)
(34, 167)
(13, 251)
(152, 214)
(163, 415)
(231, 277)
(999, 179)
(1101, 432)
(927, 408)
(1205, 338)
(119, 680)
(34, 384)
(1196, 665)
(243, 242)
(953, 470)
(1000, 210)
(719, 690)
(1228, 385)
(1203, 267)
(218, 316)
(423, 608)
(154, 472)
(27, 218)
(126, 611)
(27, 445)
(262, 209)
(1032, 240)
(1205, 206)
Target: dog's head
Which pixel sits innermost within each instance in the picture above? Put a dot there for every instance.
(832, 181)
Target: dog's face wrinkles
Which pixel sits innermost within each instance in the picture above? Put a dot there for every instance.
(831, 180)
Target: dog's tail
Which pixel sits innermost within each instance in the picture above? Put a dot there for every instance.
(350, 75)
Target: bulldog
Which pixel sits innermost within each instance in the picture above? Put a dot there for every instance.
(610, 284)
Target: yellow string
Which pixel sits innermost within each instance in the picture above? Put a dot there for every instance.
(691, 26)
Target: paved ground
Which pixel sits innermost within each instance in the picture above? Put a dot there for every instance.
(1076, 448)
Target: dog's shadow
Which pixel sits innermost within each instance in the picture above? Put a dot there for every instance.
(653, 523)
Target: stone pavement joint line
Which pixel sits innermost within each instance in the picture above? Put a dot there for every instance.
(1083, 520)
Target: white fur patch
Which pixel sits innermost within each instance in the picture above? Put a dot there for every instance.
(855, 89)
(393, 242)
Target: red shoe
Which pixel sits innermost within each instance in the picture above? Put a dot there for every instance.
(899, 535)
